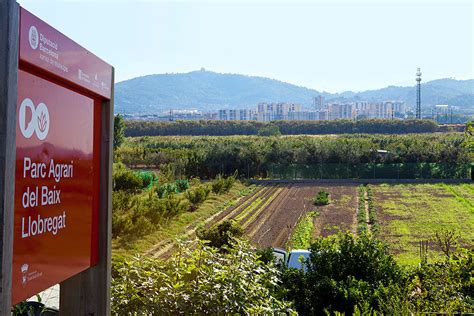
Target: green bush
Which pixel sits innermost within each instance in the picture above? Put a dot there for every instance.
(197, 195)
(125, 179)
(221, 235)
(222, 185)
(443, 287)
(120, 206)
(197, 282)
(166, 189)
(347, 274)
(134, 216)
(266, 255)
(322, 198)
(181, 185)
(149, 178)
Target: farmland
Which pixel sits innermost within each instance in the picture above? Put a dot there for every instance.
(148, 218)
(271, 213)
(282, 215)
(411, 213)
(174, 197)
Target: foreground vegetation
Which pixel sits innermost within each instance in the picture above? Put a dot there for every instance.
(344, 274)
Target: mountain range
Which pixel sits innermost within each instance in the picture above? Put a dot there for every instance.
(210, 91)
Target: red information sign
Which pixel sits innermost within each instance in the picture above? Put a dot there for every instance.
(61, 87)
(54, 185)
(47, 48)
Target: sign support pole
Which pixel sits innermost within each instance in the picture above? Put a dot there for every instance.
(88, 293)
(9, 37)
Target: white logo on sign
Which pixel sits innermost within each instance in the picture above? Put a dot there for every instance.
(24, 271)
(39, 122)
(33, 37)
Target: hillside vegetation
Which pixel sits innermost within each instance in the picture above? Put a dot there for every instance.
(206, 91)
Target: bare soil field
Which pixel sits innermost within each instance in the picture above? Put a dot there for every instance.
(270, 214)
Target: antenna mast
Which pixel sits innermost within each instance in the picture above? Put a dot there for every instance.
(418, 93)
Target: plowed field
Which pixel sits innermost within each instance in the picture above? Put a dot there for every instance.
(271, 213)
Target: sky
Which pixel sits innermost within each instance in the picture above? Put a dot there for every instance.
(331, 46)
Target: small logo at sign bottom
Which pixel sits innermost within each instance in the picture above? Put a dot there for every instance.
(26, 275)
(24, 271)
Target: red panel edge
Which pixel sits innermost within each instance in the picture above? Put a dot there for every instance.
(97, 168)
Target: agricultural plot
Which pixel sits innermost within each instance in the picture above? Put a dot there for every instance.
(283, 215)
(270, 214)
(408, 214)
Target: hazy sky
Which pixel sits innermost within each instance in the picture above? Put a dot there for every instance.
(325, 45)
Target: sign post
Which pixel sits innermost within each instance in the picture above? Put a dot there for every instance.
(55, 166)
(9, 19)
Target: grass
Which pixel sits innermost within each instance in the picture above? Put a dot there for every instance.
(180, 224)
(413, 212)
(301, 237)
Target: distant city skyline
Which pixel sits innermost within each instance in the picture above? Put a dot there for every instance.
(331, 46)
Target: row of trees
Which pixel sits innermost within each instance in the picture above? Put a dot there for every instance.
(224, 128)
(254, 156)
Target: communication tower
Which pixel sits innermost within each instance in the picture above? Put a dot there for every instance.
(418, 93)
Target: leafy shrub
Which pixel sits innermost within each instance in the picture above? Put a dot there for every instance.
(202, 281)
(345, 274)
(197, 195)
(120, 205)
(166, 189)
(222, 234)
(218, 184)
(222, 185)
(444, 287)
(171, 206)
(181, 185)
(322, 198)
(266, 255)
(125, 179)
(133, 216)
(149, 178)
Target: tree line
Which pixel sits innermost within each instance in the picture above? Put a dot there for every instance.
(253, 156)
(224, 128)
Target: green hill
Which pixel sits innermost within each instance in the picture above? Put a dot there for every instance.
(210, 91)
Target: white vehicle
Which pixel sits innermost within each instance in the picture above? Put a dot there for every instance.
(293, 259)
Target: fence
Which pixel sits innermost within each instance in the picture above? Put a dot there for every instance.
(370, 171)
